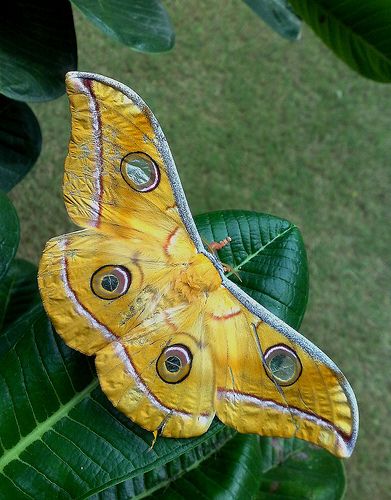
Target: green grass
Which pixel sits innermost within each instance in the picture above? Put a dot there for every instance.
(255, 122)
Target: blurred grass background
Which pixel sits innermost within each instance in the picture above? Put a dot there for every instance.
(255, 122)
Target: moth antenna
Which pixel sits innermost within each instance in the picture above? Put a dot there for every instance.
(218, 245)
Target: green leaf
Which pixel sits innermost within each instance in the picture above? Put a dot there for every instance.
(143, 25)
(20, 141)
(233, 472)
(9, 233)
(62, 438)
(59, 433)
(358, 31)
(18, 291)
(278, 14)
(37, 48)
(162, 477)
(269, 256)
(294, 469)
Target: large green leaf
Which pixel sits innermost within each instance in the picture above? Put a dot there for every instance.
(18, 291)
(278, 14)
(143, 25)
(269, 256)
(358, 31)
(20, 141)
(294, 469)
(233, 472)
(162, 477)
(37, 48)
(61, 437)
(246, 467)
(9, 233)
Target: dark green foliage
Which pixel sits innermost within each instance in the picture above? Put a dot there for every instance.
(37, 48)
(156, 481)
(278, 14)
(358, 31)
(233, 472)
(18, 291)
(58, 428)
(143, 25)
(291, 468)
(9, 233)
(20, 141)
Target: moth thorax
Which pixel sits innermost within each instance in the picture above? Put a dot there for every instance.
(199, 276)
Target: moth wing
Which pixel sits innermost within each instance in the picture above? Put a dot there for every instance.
(306, 396)
(121, 184)
(120, 181)
(129, 334)
(120, 177)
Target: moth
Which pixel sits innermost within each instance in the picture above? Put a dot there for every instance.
(176, 343)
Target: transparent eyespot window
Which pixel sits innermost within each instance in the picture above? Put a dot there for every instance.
(140, 172)
(111, 282)
(174, 363)
(283, 364)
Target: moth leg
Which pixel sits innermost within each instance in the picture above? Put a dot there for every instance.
(155, 434)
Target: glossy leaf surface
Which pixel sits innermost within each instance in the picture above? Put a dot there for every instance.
(9, 233)
(18, 291)
(294, 469)
(358, 31)
(159, 479)
(61, 437)
(268, 255)
(233, 472)
(140, 24)
(278, 14)
(37, 48)
(20, 141)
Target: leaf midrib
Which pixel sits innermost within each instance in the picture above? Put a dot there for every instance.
(260, 249)
(36, 434)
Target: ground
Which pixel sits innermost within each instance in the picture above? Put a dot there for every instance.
(256, 122)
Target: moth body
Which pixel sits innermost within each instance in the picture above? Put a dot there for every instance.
(199, 276)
